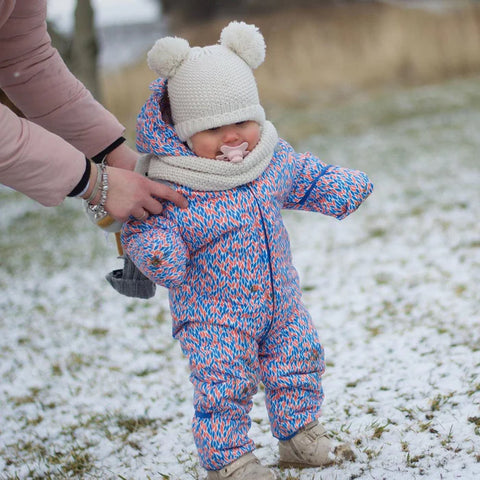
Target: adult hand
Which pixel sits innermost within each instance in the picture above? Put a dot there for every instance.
(130, 193)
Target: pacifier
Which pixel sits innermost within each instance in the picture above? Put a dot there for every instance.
(233, 154)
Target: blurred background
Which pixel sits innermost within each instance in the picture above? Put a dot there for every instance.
(320, 53)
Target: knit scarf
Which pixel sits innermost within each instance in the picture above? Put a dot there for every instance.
(207, 174)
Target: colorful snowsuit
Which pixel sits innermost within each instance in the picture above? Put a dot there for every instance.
(234, 293)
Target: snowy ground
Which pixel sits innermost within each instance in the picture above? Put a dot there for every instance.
(93, 386)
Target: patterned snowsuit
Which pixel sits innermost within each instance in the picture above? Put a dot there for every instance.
(234, 293)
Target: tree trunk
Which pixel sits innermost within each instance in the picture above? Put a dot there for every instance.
(84, 49)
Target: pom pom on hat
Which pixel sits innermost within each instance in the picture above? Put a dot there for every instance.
(166, 56)
(246, 41)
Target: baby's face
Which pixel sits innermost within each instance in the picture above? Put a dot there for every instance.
(208, 142)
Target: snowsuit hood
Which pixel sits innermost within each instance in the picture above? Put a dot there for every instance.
(155, 132)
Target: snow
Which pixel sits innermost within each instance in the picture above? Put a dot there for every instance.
(93, 386)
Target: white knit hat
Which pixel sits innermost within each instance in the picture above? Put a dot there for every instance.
(211, 86)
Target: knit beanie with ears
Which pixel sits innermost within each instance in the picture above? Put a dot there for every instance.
(211, 86)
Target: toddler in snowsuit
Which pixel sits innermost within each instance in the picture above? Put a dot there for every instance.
(234, 294)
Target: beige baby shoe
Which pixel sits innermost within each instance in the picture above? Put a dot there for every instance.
(310, 447)
(247, 467)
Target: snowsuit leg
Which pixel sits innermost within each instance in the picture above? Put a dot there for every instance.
(225, 373)
(292, 363)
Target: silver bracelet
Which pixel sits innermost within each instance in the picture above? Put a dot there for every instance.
(94, 191)
(98, 210)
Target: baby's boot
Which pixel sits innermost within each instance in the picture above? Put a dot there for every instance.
(310, 447)
(247, 467)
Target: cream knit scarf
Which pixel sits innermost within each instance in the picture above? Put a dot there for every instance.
(206, 174)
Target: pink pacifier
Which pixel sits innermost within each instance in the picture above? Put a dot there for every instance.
(233, 154)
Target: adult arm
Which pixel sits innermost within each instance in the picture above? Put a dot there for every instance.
(47, 163)
(37, 162)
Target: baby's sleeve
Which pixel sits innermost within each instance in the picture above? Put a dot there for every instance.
(157, 249)
(328, 189)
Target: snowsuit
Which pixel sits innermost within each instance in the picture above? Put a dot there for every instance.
(234, 294)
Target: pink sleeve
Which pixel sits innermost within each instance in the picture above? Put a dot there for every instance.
(37, 81)
(36, 162)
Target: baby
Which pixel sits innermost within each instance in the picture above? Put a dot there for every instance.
(234, 294)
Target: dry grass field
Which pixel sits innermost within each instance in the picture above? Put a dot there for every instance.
(328, 54)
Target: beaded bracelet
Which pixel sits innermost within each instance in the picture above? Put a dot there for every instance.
(101, 184)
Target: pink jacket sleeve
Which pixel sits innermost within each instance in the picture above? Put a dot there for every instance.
(43, 157)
